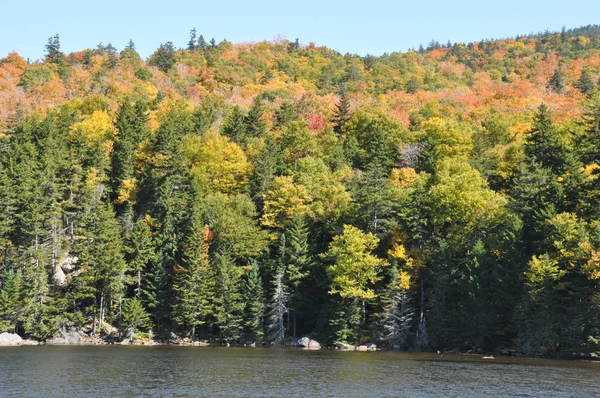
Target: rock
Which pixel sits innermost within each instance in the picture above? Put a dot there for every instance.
(344, 346)
(488, 357)
(362, 348)
(62, 268)
(307, 344)
(396, 347)
(10, 339)
(30, 342)
(66, 335)
(371, 347)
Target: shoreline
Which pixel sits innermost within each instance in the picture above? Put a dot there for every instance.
(491, 356)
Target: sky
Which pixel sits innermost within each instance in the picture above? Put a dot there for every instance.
(359, 27)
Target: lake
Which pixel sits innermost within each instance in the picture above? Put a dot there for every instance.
(101, 371)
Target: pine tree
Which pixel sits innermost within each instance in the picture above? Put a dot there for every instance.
(585, 83)
(135, 317)
(266, 167)
(192, 42)
(131, 126)
(101, 264)
(397, 319)
(285, 114)
(297, 264)
(372, 195)
(543, 144)
(53, 53)
(164, 57)
(557, 82)
(342, 113)
(140, 255)
(189, 278)
(11, 300)
(279, 299)
(254, 310)
(254, 124)
(130, 45)
(228, 303)
(202, 44)
(235, 127)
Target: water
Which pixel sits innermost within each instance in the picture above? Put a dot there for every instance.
(110, 371)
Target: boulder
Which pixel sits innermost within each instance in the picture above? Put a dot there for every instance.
(62, 269)
(10, 339)
(396, 347)
(307, 344)
(362, 348)
(371, 347)
(66, 335)
(344, 346)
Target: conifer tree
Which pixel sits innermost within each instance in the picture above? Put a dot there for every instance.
(192, 43)
(278, 309)
(342, 113)
(254, 124)
(254, 310)
(53, 53)
(11, 300)
(557, 82)
(543, 144)
(585, 83)
(235, 127)
(228, 305)
(189, 278)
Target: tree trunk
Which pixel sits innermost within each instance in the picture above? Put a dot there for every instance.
(294, 326)
(101, 312)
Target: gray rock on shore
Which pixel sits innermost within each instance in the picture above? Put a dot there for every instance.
(10, 339)
(66, 335)
(307, 344)
(344, 346)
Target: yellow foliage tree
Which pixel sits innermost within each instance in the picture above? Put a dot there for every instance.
(222, 163)
(284, 200)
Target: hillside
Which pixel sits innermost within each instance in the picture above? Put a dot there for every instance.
(439, 198)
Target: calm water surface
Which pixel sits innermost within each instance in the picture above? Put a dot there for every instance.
(108, 371)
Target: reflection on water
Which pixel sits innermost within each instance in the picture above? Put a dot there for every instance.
(240, 372)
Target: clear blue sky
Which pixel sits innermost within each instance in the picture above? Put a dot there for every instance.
(361, 27)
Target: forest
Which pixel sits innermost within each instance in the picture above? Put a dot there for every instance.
(439, 198)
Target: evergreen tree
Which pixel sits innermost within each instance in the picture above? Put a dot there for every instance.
(254, 124)
(189, 278)
(53, 53)
(135, 317)
(254, 310)
(11, 300)
(398, 314)
(267, 166)
(585, 83)
(342, 113)
(235, 127)
(202, 44)
(192, 42)
(228, 305)
(557, 82)
(140, 255)
(543, 144)
(285, 114)
(278, 309)
(164, 57)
